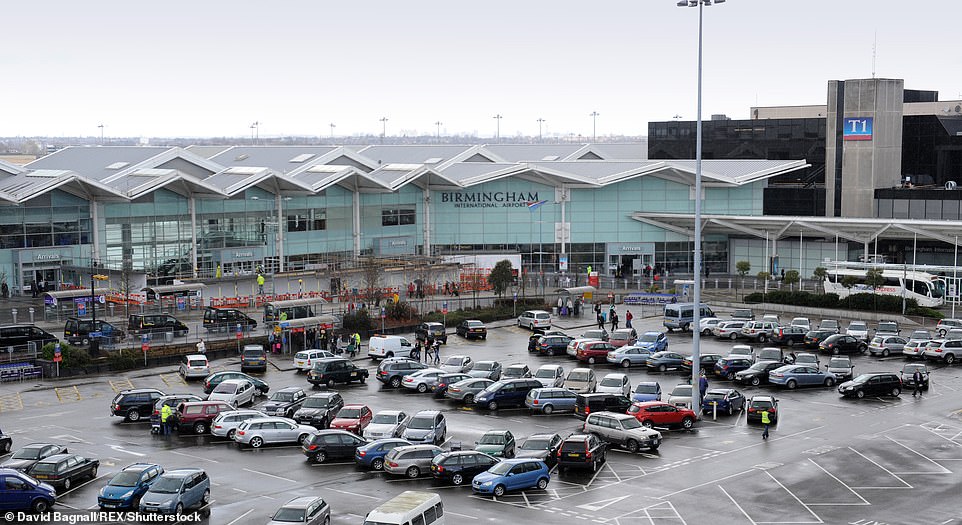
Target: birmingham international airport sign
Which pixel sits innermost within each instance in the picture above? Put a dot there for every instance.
(491, 199)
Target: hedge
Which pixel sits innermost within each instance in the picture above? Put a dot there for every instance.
(859, 301)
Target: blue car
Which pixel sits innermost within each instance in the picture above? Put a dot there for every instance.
(631, 355)
(512, 474)
(646, 391)
(662, 361)
(372, 454)
(723, 400)
(18, 491)
(551, 399)
(653, 341)
(794, 376)
(124, 490)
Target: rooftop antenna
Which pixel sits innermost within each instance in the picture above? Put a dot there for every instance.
(874, 51)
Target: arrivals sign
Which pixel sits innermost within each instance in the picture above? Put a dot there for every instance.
(857, 128)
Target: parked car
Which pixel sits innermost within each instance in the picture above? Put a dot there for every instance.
(512, 474)
(171, 400)
(727, 367)
(599, 334)
(658, 413)
(254, 357)
(472, 328)
(622, 337)
(581, 381)
(29, 455)
(841, 367)
(802, 322)
(427, 426)
(623, 430)
(431, 330)
(323, 445)
(945, 350)
(24, 493)
(487, 370)
(756, 374)
(550, 399)
(391, 371)
(680, 396)
(333, 370)
(61, 471)
(843, 344)
(460, 467)
(653, 341)
(227, 319)
(260, 431)
(77, 330)
(773, 318)
(457, 363)
(304, 360)
(544, 447)
(728, 329)
(318, 410)
(920, 335)
(742, 351)
(858, 330)
(372, 454)
(887, 328)
(915, 349)
(353, 418)
(770, 354)
(581, 451)
(211, 381)
(586, 404)
(235, 392)
(872, 384)
(176, 491)
(550, 375)
(535, 319)
(723, 401)
(411, 461)
(310, 510)
(794, 376)
(574, 344)
(284, 402)
(759, 331)
(506, 393)
(516, 371)
(6, 443)
(706, 362)
(132, 405)
(440, 384)
(388, 346)
(743, 314)
(907, 375)
(418, 380)
(885, 345)
(467, 389)
(815, 337)
(386, 424)
(225, 424)
(944, 325)
(553, 344)
(155, 323)
(664, 361)
(628, 356)
(194, 366)
(615, 383)
(789, 335)
(760, 403)
(197, 416)
(646, 391)
(593, 351)
(829, 325)
(498, 443)
(805, 358)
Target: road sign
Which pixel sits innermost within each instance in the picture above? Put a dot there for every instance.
(277, 329)
(383, 313)
(240, 331)
(145, 347)
(57, 356)
(444, 307)
(81, 309)
(144, 339)
(563, 264)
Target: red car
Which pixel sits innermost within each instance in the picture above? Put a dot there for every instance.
(623, 337)
(594, 351)
(353, 418)
(659, 413)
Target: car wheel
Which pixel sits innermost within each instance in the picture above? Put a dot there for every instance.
(791, 384)
(321, 457)
(492, 405)
(551, 352)
(499, 491)
(422, 388)
(67, 483)
(756, 381)
(662, 368)
(230, 433)
(547, 409)
(206, 498)
(256, 442)
(706, 332)
(829, 381)
(949, 359)
(733, 336)
(791, 343)
(862, 348)
(860, 394)
(632, 446)
(301, 439)
(93, 473)
(412, 472)
(389, 355)
(200, 427)
(591, 360)
(647, 423)
(762, 338)
(327, 520)
(40, 506)
(5, 447)
(543, 483)
(468, 399)
(688, 422)
(896, 391)
(731, 376)
(395, 382)
(885, 352)
(457, 479)
(133, 415)
(179, 510)
(377, 464)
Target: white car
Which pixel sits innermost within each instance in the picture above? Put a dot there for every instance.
(457, 364)
(533, 319)
(305, 359)
(706, 324)
(615, 383)
(386, 424)
(550, 375)
(581, 381)
(225, 423)
(858, 330)
(729, 329)
(235, 392)
(680, 396)
(387, 346)
(802, 321)
(259, 431)
(418, 380)
(194, 366)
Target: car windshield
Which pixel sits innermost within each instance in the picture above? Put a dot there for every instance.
(578, 375)
(456, 361)
(805, 358)
(839, 363)
(761, 404)
(759, 367)
(167, 485)
(514, 371)
(196, 362)
(536, 444)
(593, 334)
(910, 369)
(862, 378)
(26, 453)
(253, 353)
(631, 423)
(484, 366)
(646, 389)
(385, 419)
(475, 324)
(501, 468)
(714, 395)
(648, 338)
(317, 402)
(888, 327)
(300, 355)
(857, 326)
(545, 373)
(127, 478)
(284, 397)
(349, 413)
(289, 515)
(611, 381)
(619, 336)
(422, 423)
(225, 388)
(492, 439)
(682, 390)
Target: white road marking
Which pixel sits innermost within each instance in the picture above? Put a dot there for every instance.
(598, 505)
(857, 495)
(238, 518)
(462, 515)
(269, 475)
(119, 448)
(737, 505)
(907, 485)
(355, 494)
(795, 497)
(194, 457)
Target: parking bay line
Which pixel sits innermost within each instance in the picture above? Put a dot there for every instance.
(461, 515)
(269, 475)
(194, 457)
(353, 493)
(238, 518)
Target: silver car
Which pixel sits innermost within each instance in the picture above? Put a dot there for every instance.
(915, 349)
(457, 363)
(466, 390)
(259, 431)
(386, 424)
(411, 461)
(858, 330)
(887, 344)
(226, 423)
(486, 369)
(841, 367)
(418, 380)
(550, 375)
(310, 510)
(234, 392)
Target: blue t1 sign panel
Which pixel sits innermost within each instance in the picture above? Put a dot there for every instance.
(857, 128)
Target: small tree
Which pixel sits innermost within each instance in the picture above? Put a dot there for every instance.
(500, 277)
(742, 267)
(849, 281)
(820, 274)
(874, 279)
(792, 277)
(372, 273)
(764, 277)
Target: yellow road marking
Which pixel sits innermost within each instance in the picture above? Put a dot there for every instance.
(68, 393)
(121, 384)
(11, 402)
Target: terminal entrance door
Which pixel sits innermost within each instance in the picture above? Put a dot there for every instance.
(34, 275)
(630, 265)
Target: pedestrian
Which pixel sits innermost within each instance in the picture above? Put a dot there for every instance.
(702, 385)
(201, 347)
(570, 307)
(260, 284)
(437, 351)
(428, 347)
(416, 353)
(355, 344)
(33, 288)
(577, 312)
(597, 308)
(917, 380)
(614, 320)
(766, 421)
(601, 321)
(165, 412)
(628, 318)
(333, 343)
(561, 305)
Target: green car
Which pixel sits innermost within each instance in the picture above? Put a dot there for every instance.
(498, 443)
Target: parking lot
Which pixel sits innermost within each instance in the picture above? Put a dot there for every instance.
(829, 460)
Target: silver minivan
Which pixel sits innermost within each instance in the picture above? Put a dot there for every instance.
(226, 423)
(175, 491)
(411, 461)
(258, 431)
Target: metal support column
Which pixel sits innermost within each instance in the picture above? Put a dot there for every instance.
(192, 204)
(280, 232)
(356, 209)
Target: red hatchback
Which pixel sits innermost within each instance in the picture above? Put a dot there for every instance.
(659, 413)
(353, 418)
(594, 351)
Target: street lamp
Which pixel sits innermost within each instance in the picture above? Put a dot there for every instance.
(94, 277)
(696, 310)
(332, 125)
(594, 125)
(101, 126)
(540, 122)
(255, 132)
(438, 124)
(497, 134)
(383, 128)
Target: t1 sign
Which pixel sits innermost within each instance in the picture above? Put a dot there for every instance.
(857, 128)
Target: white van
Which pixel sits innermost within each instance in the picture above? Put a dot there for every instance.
(385, 346)
(408, 508)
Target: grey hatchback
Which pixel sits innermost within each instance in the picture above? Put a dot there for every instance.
(311, 510)
(411, 461)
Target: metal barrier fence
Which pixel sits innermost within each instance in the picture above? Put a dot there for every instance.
(19, 372)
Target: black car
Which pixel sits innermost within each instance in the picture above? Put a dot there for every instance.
(331, 444)
(842, 344)
(391, 371)
(472, 328)
(155, 323)
(62, 470)
(460, 467)
(907, 375)
(6, 443)
(25, 458)
(171, 400)
(541, 446)
(756, 374)
(211, 381)
(318, 409)
(707, 363)
(581, 451)
(76, 330)
(789, 335)
(872, 384)
(253, 357)
(227, 319)
(600, 402)
(434, 331)
(20, 336)
(284, 402)
(553, 344)
(332, 370)
(813, 338)
(132, 405)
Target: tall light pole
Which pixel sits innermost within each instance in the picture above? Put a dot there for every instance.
(594, 126)
(332, 125)
(438, 124)
(101, 126)
(540, 122)
(696, 317)
(383, 128)
(497, 134)
(255, 132)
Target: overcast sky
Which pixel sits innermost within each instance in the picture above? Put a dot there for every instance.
(213, 67)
